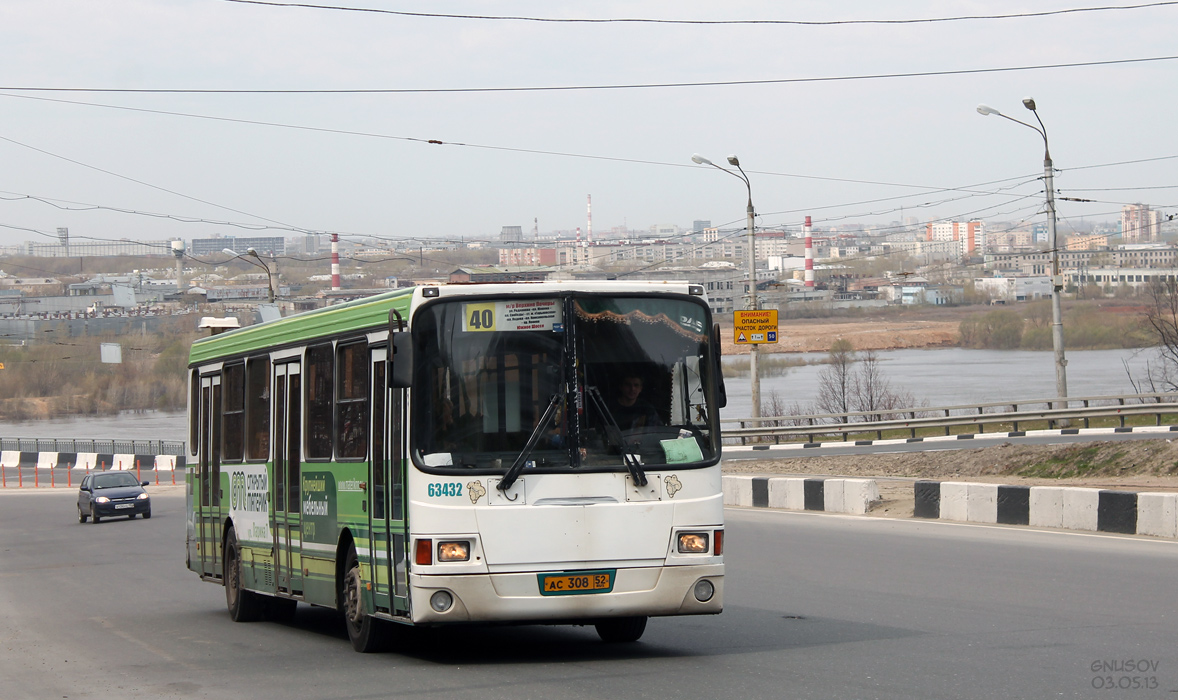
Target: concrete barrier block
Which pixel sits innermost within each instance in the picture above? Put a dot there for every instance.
(1157, 514)
(788, 493)
(859, 494)
(982, 503)
(954, 499)
(10, 459)
(832, 495)
(738, 490)
(123, 462)
(46, 460)
(1117, 511)
(1080, 508)
(87, 461)
(1046, 506)
(165, 463)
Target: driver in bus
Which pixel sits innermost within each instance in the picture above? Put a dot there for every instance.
(628, 407)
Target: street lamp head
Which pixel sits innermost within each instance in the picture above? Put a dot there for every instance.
(700, 160)
(229, 251)
(987, 110)
(251, 251)
(1029, 103)
(733, 160)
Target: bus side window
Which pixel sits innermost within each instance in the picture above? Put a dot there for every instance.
(320, 396)
(257, 408)
(351, 402)
(233, 412)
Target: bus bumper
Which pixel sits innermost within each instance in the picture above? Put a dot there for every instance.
(651, 591)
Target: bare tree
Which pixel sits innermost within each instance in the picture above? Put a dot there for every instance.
(872, 390)
(1161, 314)
(835, 381)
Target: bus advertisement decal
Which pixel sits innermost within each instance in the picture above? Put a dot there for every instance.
(249, 502)
(577, 582)
(319, 507)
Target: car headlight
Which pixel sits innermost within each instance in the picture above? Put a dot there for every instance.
(141, 497)
(102, 499)
(693, 543)
(453, 551)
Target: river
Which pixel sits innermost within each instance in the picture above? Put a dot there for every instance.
(936, 377)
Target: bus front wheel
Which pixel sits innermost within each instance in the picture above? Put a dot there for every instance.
(364, 632)
(621, 629)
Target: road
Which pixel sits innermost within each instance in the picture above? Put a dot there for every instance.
(818, 606)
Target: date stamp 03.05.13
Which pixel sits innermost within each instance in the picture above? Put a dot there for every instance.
(1125, 674)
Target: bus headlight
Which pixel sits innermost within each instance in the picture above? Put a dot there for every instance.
(441, 601)
(693, 543)
(454, 551)
(704, 590)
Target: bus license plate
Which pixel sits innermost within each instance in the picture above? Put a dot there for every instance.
(577, 583)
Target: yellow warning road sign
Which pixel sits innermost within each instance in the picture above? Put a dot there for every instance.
(758, 326)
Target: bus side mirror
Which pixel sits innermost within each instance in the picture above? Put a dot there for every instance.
(401, 371)
(721, 392)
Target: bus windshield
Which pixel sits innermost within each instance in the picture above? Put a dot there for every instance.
(630, 377)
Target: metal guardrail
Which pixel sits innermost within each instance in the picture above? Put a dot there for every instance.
(789, 428)
(138, 447)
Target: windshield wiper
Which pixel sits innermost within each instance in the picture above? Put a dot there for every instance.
(518, 466)
(614, 433)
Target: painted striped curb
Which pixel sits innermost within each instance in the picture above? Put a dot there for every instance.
(1065, 507)
(797, 493)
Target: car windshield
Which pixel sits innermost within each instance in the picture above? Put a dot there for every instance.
(627, 376)
(110, 481)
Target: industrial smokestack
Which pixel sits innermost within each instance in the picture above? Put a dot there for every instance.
(809, 254)
(335, 262)
(589, 212)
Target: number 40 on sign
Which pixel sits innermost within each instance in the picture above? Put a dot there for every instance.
(759, 326)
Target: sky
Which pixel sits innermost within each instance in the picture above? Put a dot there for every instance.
(115, 165)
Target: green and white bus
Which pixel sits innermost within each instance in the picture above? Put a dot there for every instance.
(529, 452)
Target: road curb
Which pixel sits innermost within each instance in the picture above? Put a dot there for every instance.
(830, 495)
(1065, 507)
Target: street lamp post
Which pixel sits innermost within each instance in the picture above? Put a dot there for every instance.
(750, 214)
(250, 252)
(1061, 376)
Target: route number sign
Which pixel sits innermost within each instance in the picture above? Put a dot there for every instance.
(758, 326)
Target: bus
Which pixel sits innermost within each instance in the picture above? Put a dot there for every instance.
(464, 453)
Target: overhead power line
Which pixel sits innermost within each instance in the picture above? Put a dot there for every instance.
(571, 88)
(644, 20)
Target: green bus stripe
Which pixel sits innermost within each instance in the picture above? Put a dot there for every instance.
(354, 315)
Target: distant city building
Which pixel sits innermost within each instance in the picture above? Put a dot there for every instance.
(1139, 223)
(511, 234)
(700, 225)
(95, 249)
(499, 274)
(1015, 288)
(970, 235)
(1086, 242)
(527, 256)
(268, 245)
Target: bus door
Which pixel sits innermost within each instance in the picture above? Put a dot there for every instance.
(387, 508)
(208, 520)
(287, 455)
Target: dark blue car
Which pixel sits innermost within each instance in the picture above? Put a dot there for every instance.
(107, 494)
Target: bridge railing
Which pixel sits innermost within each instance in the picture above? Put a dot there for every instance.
(139, 447)
(1054, 412)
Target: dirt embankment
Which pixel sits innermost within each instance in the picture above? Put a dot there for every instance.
(1131, 465)
(808, 335)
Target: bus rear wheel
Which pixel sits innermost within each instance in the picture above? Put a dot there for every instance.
(244, 606)
(366, 633)
(621, 629)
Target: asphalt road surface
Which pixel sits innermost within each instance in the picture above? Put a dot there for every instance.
(818, 606)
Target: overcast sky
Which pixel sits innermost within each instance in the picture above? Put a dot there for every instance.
(912, 136)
